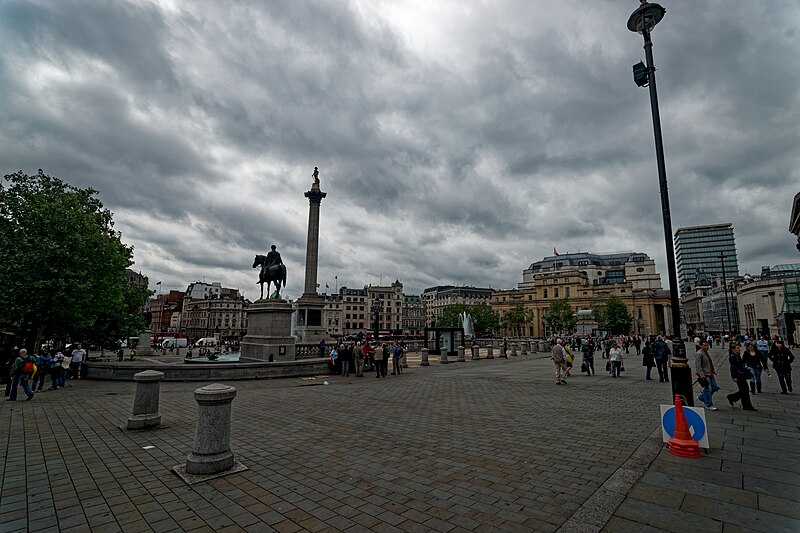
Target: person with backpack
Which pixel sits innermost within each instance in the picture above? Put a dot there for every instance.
(661, 353)
(42, 369)
(24, 365)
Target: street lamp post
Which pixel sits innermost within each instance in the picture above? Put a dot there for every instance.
(725, 288)
(643, 20)
(376, 316)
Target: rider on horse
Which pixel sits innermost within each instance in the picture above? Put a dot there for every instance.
(273, 258)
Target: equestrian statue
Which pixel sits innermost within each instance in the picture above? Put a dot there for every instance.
(272, 271)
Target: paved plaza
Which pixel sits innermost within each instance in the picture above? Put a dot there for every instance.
(489, 445)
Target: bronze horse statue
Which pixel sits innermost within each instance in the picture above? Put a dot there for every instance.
(273, 274)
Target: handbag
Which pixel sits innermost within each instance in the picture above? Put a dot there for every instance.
(703, 382)
(584, 368)
(608, 366)
(622, 369)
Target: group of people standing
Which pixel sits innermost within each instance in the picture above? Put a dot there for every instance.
(31, 372)
(363, 355)
(746, 368)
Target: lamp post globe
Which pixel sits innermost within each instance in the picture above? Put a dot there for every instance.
(643, 20)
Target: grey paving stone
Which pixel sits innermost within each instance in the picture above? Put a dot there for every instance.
(666, 518)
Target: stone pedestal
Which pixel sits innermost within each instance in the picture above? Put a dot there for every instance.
(503, 351)
(308, 320)
(514, 350)
(424, 358)
(443, 356)
(212, 453)
(460, 358)
(269, 336)
(144, 347)
(490, 351)
(476, 353)
(145, 403)
(524, 348)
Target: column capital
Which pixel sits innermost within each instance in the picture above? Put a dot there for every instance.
(315, 196)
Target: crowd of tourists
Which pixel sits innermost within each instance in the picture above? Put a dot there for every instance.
(363, 356)
(31, 372)
(748, 360)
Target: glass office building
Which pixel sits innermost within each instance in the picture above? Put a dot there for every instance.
(701, 251)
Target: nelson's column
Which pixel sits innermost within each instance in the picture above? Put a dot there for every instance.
(310, 305)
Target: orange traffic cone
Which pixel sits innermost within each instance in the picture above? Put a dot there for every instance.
(682, 444)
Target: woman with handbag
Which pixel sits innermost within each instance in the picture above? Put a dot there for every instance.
(739, 374)
(648, 361)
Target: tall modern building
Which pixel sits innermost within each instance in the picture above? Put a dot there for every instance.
(701, 252)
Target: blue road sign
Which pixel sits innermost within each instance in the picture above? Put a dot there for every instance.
(697, 428)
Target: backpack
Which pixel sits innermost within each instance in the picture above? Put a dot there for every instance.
(28, 367)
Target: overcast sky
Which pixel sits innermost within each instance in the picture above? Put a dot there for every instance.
(457, 141)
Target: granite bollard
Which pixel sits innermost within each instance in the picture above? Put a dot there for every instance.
(424, 358)
(524, 348)
(443, 356)
(476, 353)
(145, 403)
(212, 453)
(514, 350)
(489, 351)
(503, 351)
(460, 358)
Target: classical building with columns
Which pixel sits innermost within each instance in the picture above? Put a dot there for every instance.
(587, 280)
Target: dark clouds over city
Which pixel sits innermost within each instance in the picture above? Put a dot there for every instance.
(457, 141)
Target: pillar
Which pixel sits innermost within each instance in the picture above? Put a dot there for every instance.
(490, 351)
(424, 358)
(514, 350)
(145, 403)
(443, 356)
(460, 358)
(212, 453)
(476, 353)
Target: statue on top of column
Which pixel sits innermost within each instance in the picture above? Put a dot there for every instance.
(315, 175)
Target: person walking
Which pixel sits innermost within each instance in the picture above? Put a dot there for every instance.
(57, 372)
(377, 354)
(782, 359)
(43, 363)
(648, 361)
(739, 374)
(706, 376)
(616, 359)
(397, 355)
(78, 355)
(588, 356)
(560, 361)
(360, 352)
(22, 368)
(661, 353)
(345, 354)
(757, 363)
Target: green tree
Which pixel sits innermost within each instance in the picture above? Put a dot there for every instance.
(615, 317)
(561, 317)
(514, 319)
(485, 320)
(63, 265)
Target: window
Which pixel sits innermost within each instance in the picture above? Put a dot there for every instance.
(566, 292)
(545, 293)
(555, 292)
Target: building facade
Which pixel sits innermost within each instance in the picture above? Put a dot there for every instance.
(770, 304)
(332, 315)
(387, 304)
(413, 319)
(162, 308)
(355, 310)
(212, 316)
(705, 251)
(587, 281)
(435, 299)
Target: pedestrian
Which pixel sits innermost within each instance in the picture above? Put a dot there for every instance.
(78, 356)
(648, 361)
(560, 362)
(588, 356)
(43, 363)
(377, 354)
(360, 352)
(322, 348)
(133, 353)
(57, 372)
(661, 353)
(397, 355)
(739, 374)
(22, 368)
(757, 363)
(706, 376)
(570, 359)
(782, 360)
(616, 359)
(637, 342)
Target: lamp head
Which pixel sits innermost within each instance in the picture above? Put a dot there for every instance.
(646, 17)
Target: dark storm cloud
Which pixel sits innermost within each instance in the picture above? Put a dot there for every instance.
(454, 151)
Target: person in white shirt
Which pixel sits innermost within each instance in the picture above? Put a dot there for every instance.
(615, 356)
(78, 356)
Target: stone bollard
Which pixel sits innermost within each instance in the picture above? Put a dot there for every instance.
(212, 453)
(503, 351)
(490, 351)
(460, 358)
(524, 348)
(443, 356)
(424, 359)
(145, 403)
(476, 353)
(514, 350)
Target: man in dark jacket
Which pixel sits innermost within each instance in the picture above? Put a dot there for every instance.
(661, 353)
(782, 359)
(739, 374)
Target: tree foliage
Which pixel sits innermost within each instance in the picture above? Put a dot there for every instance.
(561, 318)
(63, 265)
(614, 317)
(485, 320)
(516, 318)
